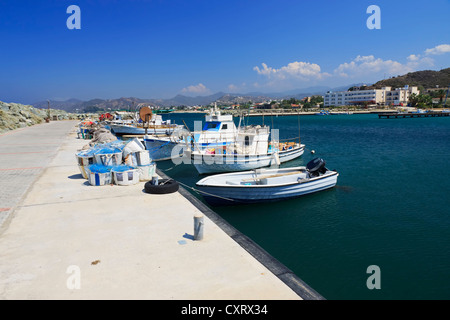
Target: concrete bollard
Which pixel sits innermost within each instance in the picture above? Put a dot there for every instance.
(198, 226)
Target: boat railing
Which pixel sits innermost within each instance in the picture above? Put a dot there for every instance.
(289, 139)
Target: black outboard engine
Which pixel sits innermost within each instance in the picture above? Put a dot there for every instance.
(315, 167)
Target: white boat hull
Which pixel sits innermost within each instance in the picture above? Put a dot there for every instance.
(133, 130)
(217, 194)
(215, 163)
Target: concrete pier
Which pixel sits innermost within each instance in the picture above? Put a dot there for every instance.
(64, 239)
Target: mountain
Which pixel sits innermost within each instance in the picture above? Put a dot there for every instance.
(425, 78)
(132, 103)
(66, 105)
(181, 100)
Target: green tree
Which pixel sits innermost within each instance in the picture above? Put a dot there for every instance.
(440, 94)
(420, 100)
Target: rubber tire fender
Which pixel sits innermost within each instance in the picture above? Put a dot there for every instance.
(164, 186)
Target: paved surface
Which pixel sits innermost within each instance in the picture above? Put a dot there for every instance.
(24, 153)
(69, 240)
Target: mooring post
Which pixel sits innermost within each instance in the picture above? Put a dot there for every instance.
(198, 226)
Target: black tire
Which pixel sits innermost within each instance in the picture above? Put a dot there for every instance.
(164, 186)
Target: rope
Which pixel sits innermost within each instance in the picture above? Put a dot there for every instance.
(209, 194)
(169, 168)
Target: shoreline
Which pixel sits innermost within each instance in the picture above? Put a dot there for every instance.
(307, 113)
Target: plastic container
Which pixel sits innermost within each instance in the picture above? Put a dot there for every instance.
(108, 156)
(139, 158)
(85, 159)
(99, 175)
(134, 145)
(125, 175)
(143, 158)
(146, 172)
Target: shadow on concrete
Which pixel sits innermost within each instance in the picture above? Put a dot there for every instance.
(188, 236)
(76, 176)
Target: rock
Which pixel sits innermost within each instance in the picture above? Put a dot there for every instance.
(15, 115)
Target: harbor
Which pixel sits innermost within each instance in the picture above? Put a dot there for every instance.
(127, 244)
(59, 214)
(218, 158)
(331, 237)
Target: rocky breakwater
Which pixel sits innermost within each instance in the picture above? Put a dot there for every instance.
(15, 115)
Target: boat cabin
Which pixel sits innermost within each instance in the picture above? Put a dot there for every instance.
(251, 140)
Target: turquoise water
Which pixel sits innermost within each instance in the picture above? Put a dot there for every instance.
(390, 208)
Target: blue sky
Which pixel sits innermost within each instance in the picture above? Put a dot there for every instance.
(157, 49)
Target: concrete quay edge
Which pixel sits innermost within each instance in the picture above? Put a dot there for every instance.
(275, 266)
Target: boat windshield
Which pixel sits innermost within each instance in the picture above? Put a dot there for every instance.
(212, 125)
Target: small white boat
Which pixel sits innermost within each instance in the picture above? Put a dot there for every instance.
(131, 127)
(264, 185)
(217, 131)
(250, 150)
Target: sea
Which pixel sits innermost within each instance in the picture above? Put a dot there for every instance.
(383, 232)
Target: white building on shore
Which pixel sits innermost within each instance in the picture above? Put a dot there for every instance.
(383, 96)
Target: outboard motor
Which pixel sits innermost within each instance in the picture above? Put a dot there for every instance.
(315, 167)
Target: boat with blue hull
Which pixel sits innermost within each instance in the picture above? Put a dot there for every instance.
(266, 185)
(155, 126)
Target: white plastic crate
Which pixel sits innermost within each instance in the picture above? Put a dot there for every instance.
(139, 158)
(84, 160)
(100, 178)
(126, 177)
(146, 172)
(109, 159)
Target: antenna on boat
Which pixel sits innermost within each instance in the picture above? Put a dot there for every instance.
(192, 136)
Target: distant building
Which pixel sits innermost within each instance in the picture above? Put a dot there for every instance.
(399, 95)
(264, 106)
(383, 96)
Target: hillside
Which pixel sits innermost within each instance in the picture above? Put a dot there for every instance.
(425, 78)
(222, 98)
(16, 115)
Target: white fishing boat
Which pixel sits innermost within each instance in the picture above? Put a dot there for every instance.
(218, 130)
(264, 185)
(156, 125)
(250, 150)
